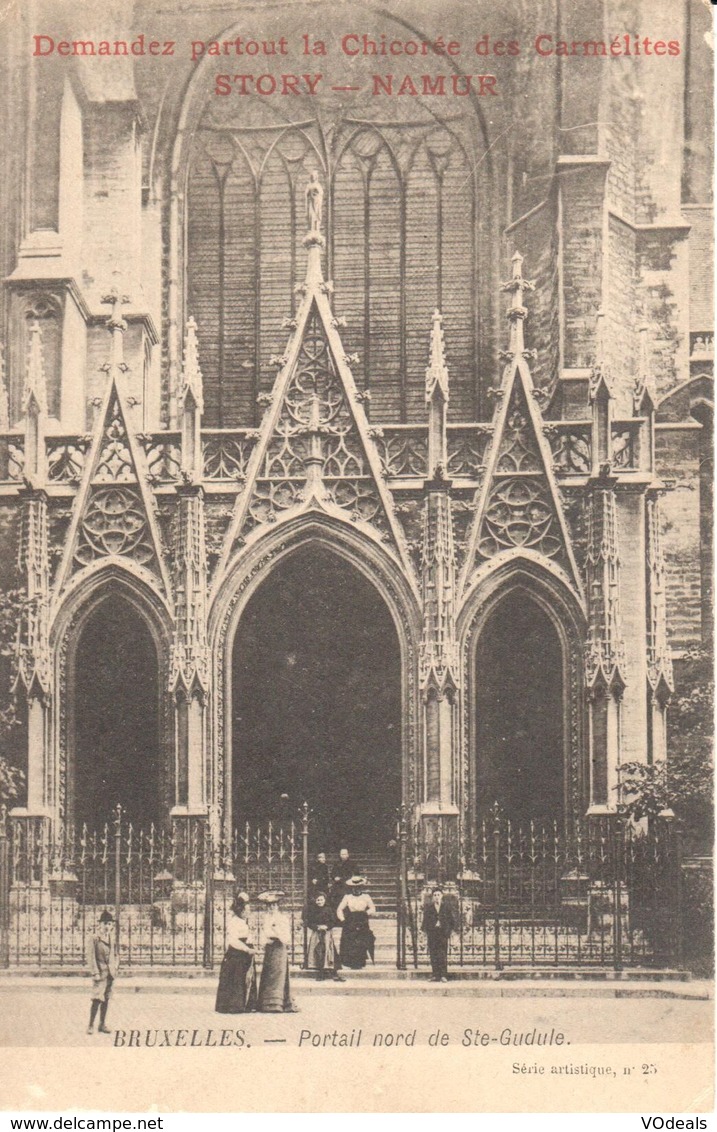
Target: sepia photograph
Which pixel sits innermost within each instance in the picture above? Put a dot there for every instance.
(356, 555)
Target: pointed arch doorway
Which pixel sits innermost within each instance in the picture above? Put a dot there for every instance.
(115, 709)
(520, 731)
(316, 702)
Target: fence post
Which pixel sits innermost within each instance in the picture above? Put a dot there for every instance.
(118, 870)
(679, 898)
(208, 955)
(305, 864)
(4, 891)
(618, 827)
(496, 880)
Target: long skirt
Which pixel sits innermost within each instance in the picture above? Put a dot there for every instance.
(274, 990)
(357, 941)
(236, 992)
(322, 956)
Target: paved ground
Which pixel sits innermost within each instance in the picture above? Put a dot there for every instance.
(42, 1014)
(605, 1038)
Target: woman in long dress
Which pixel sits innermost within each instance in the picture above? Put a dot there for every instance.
(274, 987)
(357, 939)
(322, 953)
(236, 992)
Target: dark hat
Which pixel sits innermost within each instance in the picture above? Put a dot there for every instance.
(436, 888)
(357, 882)
(107, 917)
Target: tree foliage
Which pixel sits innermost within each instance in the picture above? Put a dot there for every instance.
(685, 783)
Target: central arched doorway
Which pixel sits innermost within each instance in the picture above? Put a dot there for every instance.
(520, 715)
(316, 702)
(116, 716)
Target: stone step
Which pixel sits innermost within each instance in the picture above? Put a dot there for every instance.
(375, 981)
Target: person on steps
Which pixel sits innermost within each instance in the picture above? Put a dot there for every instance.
(357, 939)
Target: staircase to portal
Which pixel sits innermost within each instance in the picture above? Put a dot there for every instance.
(379, 867)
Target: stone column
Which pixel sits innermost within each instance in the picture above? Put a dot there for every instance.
(438, 808)
(605, 654)
(660, 682)
(190, 665)
(34, 670)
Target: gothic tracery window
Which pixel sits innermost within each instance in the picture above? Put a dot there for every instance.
(398, 221)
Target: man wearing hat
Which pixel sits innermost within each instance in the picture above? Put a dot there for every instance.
(103, 962)
(439, 923)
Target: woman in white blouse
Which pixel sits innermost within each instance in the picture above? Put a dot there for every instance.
(357, 939)
(236, 992)
(274, 986)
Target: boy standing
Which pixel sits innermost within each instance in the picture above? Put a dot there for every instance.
(103, 962)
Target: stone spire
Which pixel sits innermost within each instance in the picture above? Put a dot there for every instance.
(35, 392)
(517, 312)
(192, 381)
(438, 653)
(605, 650)
(518, 505)
(644, 397)
(437, 400)
(438, 650)
(35, 408)
(602, 403)
(33, 656)
(659, 659)
(437, 371)
(191, 406)
(313, 240)
(116, 326)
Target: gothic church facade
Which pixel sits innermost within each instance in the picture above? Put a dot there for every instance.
(427, 377)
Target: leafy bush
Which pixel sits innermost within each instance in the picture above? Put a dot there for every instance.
(685, 782)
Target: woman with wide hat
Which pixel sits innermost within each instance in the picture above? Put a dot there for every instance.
(357, 939)
(236, 992)
(274, 988)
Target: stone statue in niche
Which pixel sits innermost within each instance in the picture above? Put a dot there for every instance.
(314, 202)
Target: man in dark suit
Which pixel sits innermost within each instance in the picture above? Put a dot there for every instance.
(320, 881)
(439, 923)
(343, 870)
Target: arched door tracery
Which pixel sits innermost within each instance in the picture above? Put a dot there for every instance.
(113, 722)
(520, 728)
(316, 702)
(519, 609)
(361, 564)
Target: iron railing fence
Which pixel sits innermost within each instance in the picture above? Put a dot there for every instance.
(170, 890)
(605, 893)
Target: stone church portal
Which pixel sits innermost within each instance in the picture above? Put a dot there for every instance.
(316, 709)
(116, 718)
(519, 712)
(353, 449)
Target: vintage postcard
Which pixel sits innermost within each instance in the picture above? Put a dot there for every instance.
(356, 561)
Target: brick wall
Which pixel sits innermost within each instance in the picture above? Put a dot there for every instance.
(582, 196)
(621, 314)
(678, 457)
